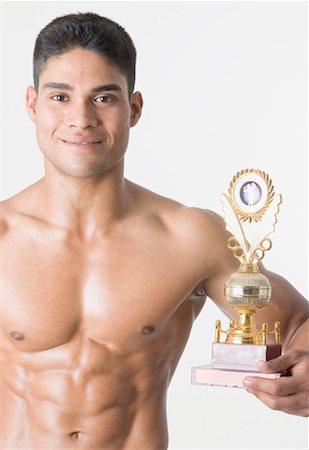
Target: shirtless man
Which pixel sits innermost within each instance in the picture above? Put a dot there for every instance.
(103, 278)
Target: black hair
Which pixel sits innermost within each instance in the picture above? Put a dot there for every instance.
(88, 31)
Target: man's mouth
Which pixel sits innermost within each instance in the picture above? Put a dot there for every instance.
(82, 142)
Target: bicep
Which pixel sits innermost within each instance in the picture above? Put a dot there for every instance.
(287, 305)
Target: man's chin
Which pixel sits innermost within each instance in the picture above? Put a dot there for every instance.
(84, 168)
(93, 171)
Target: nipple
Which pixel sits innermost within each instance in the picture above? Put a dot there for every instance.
(17, 335)
(148, 329)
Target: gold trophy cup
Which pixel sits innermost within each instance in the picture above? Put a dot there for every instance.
(250, 199)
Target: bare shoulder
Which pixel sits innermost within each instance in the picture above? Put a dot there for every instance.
(4, 224)
(200, 227)
(191, 223)
(16, 208)
(9, 217)
(204, 232)
(200, 234)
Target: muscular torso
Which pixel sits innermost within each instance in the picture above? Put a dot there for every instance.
(91, 333)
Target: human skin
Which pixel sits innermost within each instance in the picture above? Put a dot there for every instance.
(103, 279)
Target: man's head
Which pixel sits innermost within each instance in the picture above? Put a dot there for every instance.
(83, 102)
(88, 31)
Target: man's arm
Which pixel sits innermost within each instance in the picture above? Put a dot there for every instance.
(288, 394)
(300, 339)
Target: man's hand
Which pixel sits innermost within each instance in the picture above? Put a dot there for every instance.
(289, 394)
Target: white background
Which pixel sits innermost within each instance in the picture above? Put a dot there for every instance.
(224, 85)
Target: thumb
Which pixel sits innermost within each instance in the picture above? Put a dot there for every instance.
(280, 364)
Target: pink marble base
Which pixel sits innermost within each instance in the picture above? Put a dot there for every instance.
(229, 378)
(242, 357)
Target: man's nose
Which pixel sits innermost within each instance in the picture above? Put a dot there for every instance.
(81, 115)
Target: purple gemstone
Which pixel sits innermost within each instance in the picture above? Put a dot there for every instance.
(250, 193)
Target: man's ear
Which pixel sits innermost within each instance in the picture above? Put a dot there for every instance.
(31, 97)
(136, 108)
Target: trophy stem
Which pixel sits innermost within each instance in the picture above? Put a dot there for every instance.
(245, 331)
(246, 320)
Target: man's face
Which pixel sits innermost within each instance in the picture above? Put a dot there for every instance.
(83, 113)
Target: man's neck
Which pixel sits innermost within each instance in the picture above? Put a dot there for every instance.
(85, 206)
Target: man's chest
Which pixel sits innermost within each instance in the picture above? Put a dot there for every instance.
(115, 292)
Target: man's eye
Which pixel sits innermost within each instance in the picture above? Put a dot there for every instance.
(59, 98)
(104, 99)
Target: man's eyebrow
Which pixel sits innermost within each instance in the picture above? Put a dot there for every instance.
(54, 85)
(107, 87)
(68, 87)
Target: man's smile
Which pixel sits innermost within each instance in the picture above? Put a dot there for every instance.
(82, 142)
(79, 139)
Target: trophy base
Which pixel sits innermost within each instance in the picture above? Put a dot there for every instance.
(242, 356)
(208, 375)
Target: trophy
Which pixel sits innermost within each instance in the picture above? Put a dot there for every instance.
(250, 200)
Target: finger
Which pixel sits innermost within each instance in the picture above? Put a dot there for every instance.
(280, 364)
(292, 404)
(279, 387)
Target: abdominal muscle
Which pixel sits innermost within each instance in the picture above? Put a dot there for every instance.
(113, 402)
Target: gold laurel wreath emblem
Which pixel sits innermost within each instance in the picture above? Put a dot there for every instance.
(256, 216)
